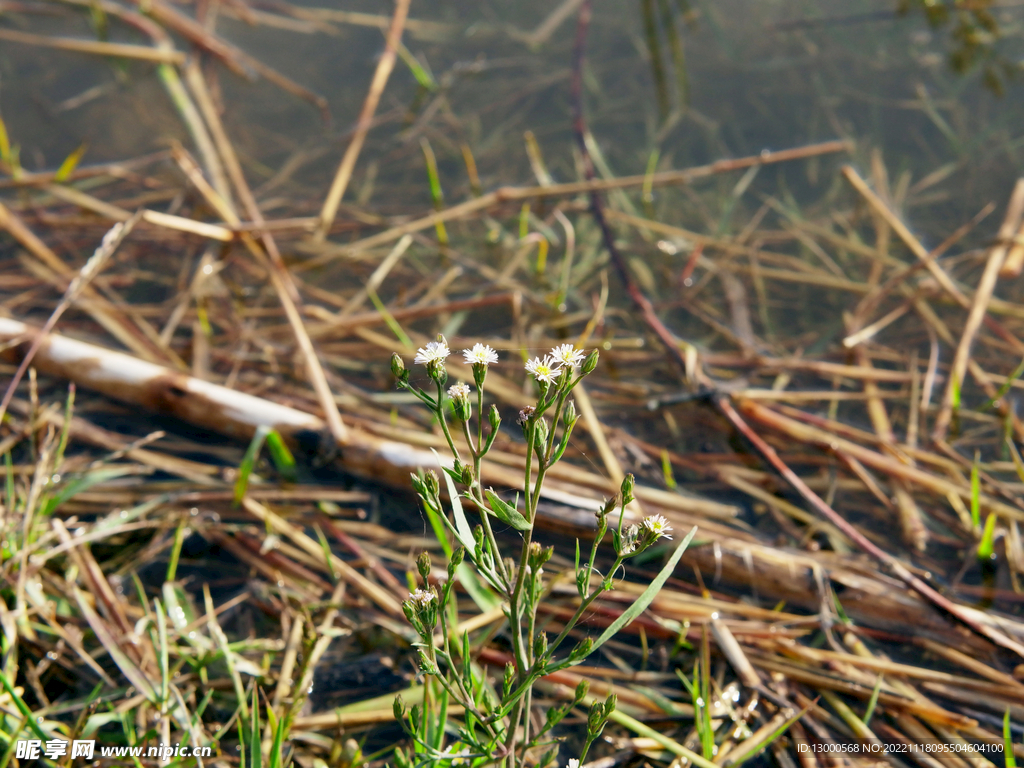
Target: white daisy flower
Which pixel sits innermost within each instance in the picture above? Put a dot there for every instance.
(567, 354)
(543, 370)
(480, 354)
(422, 598)
(458, 391)
(656, 526)
(573, 763)
(434, 351)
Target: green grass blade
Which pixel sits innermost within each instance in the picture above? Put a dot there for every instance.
(248, 462)
(83, 483)
(70, 163)
(1011, 759)
(873, 701)
(987, 544)
(281, 456)
(975, 494)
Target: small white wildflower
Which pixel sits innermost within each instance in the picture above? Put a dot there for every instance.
(435, 350)
(656, 526)
(573, 763)
(422, 598)
(567, 354)
(543, 370)
(480, 354)
(458, 391)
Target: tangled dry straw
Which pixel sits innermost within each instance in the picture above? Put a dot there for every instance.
(839, 468)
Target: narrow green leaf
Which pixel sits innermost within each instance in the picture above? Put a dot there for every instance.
(5, 143)
(1005, 388)
(648, 594)
(22, 707)
(281, 456)
(1011, 760)
(255, 729)
(506, 512)
(248, 462)
(987, 544)
(463, 531)
(83, 483)
(70, 163)
(872, 702)
(975, 494)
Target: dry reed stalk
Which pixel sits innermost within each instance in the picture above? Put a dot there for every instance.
(56, 271)
(385, 65)
(119, 50)
(974, 619)
(982, 296)
(328, 252)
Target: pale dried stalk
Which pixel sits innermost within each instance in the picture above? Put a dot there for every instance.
(982, 295)
(92, 267)
(348, 162)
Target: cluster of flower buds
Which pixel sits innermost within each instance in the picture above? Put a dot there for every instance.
(639, 536)
(421, 611)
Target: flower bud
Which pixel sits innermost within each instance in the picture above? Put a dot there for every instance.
(581, 651)
(590, 363)
(426, 665)
(398, 707)
(581, 691)
(455, 561)
(494, 418)
(431, 483)
(627, 489)
(506, 683)
(423, 565)
(541, 434)
(570, 417)
(467, 474)
(437, 372)
(540, 645)
(398, 369)
(583, 580)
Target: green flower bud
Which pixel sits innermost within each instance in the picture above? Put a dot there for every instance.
(540, 645)
(541, 434)
(610, 704)
(569, 416)
(627, 489)
(581, 651)
(398, 369)
(456, 560)
(432, 484)
(467, 474)
(494, 418)
(426, 665)
(506, 683)
(590, 363)
(423, 565)
(581, 691)
(398, 707)
(583, 580)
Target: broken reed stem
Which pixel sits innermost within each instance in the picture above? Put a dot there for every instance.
(270, 259)
(348, 161)
(860, 540)
(987, 284)
(92, 267)
(328, 252)
(119, 50)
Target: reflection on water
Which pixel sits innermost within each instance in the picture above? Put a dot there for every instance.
(753, 79)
